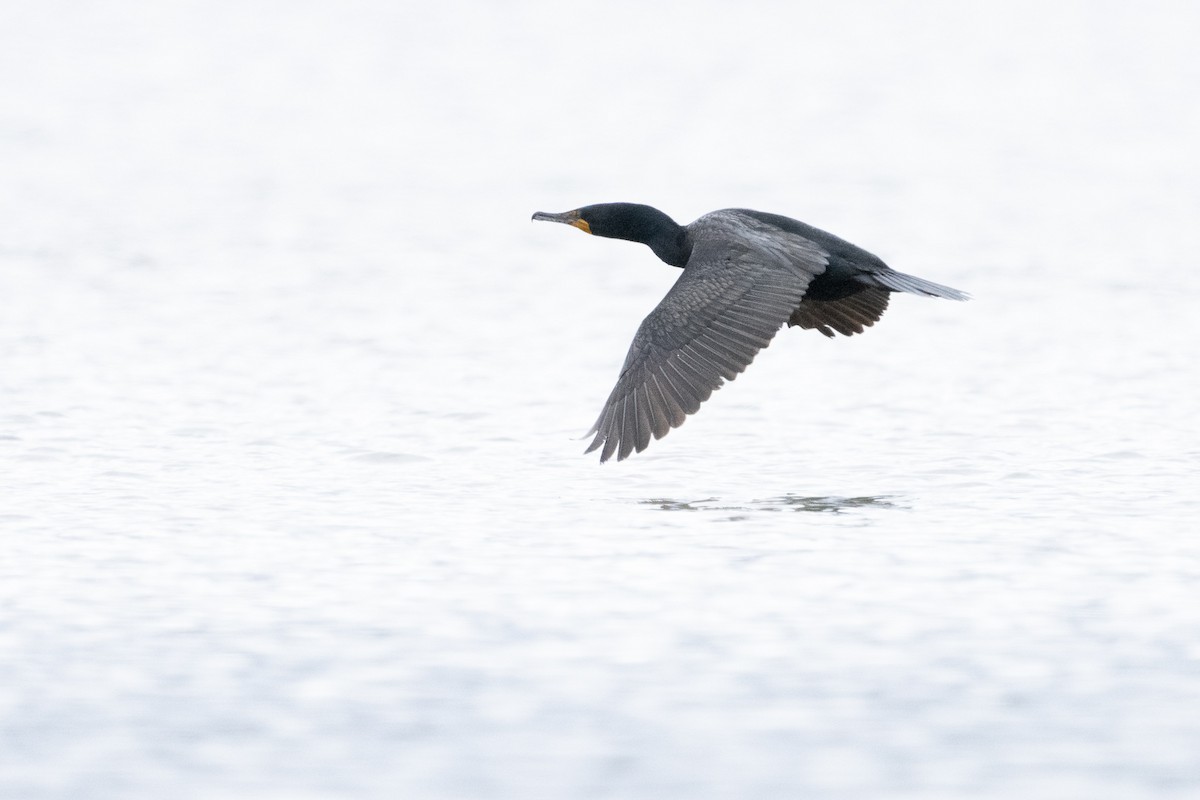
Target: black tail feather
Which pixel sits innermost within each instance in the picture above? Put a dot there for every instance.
(899, 282)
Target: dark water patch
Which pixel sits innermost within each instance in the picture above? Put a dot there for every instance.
(788, 502)
(828, 505)
(667, 504)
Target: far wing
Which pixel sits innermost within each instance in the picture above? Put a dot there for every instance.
(741, 284)
(847, 315)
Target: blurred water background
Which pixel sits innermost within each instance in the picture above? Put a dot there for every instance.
(292, 501)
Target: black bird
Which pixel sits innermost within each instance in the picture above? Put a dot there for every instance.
(745, 273)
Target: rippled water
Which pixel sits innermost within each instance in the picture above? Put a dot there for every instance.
(292, 501)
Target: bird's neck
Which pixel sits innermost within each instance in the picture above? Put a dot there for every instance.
(670, 243)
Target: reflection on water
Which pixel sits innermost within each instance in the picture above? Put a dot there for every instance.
(666, 504)
(788, 502)
(833, 505)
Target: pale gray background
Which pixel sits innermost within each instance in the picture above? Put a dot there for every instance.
(291, 501)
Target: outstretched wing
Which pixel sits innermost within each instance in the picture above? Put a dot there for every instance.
(743, 281)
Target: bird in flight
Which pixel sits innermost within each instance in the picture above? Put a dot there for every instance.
(745, 273)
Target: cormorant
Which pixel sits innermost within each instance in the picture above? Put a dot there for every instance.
(745, 273)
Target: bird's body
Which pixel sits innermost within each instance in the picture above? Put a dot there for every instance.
(745, 274)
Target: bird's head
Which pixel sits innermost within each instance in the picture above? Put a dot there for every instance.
(630, 221)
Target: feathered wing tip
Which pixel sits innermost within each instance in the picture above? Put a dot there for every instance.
(598, 440)
(899, 282)
(650, 407)
(605, 438)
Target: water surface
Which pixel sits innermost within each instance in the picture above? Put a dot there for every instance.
(292, 500)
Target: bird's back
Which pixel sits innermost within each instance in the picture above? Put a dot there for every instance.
(844, 259)
(735, 234)
(848, 268)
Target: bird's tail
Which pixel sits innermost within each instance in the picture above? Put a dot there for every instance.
(899, 282)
